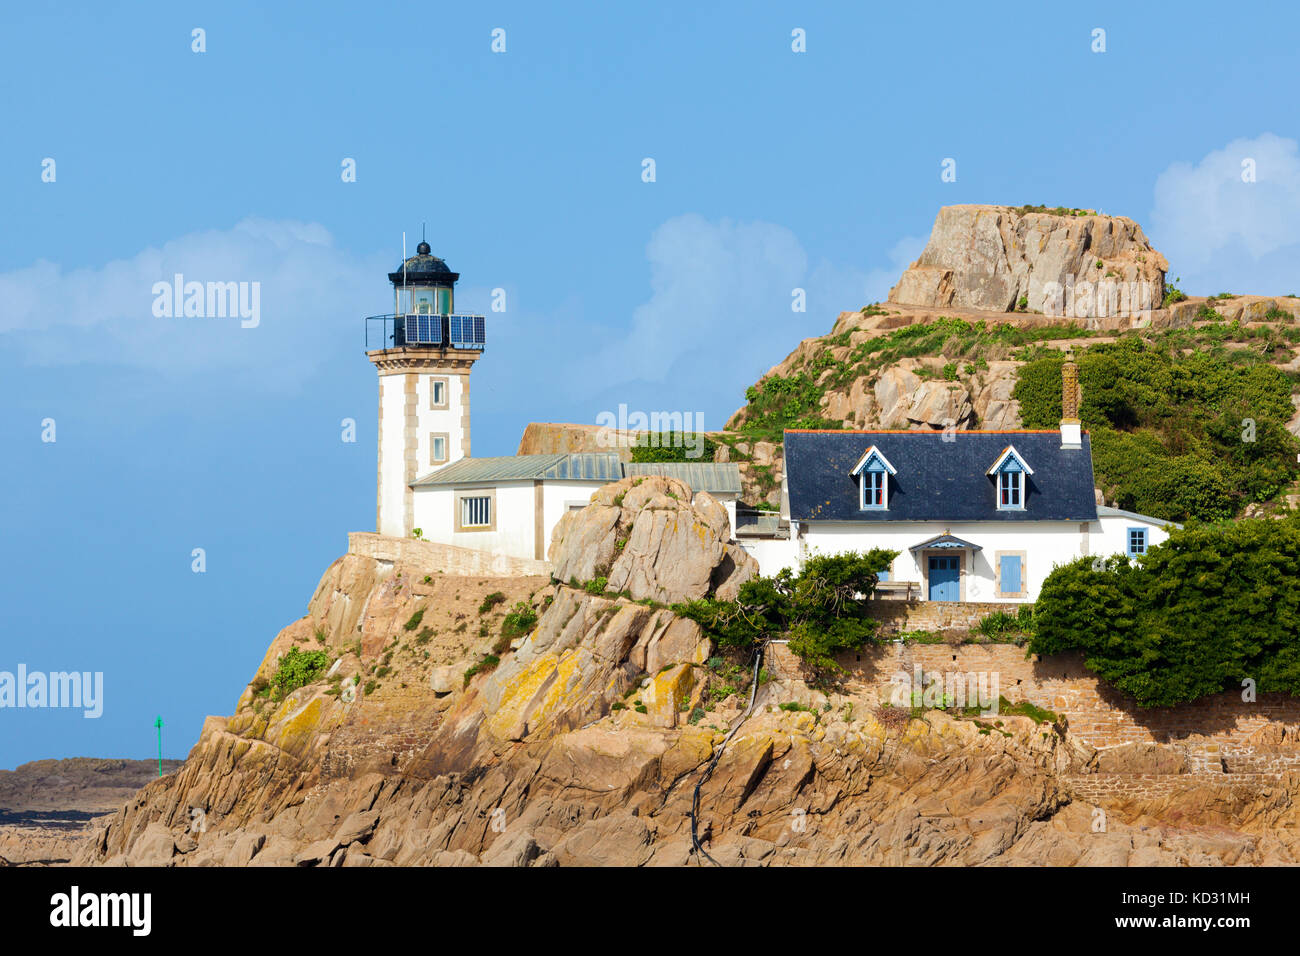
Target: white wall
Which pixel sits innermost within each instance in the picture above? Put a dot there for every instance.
(772, 554)
(435, 516)
(1110, 534)
(1045, 545)
(515, 517)
(394, 469)
(392, 451)
(446, 420)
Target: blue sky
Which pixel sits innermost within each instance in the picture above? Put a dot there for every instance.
(774, 170)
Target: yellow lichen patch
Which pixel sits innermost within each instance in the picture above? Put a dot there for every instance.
(561, 694)
(517, 693)
(664, 695)
(299, 729)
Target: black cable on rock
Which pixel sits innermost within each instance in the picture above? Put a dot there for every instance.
(695, 799)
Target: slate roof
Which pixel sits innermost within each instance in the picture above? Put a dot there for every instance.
(937, 480)
(586, 466)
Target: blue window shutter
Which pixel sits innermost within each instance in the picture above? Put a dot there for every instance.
(1011, 574)
(882, 575)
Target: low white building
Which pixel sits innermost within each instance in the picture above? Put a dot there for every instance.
(511, 504)
(974, 516)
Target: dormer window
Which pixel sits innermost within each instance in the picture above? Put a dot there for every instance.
(1009, 473)
(873, 489)
(872, 471)
(1009, 489)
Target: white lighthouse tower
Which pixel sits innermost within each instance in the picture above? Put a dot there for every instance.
(424, 356)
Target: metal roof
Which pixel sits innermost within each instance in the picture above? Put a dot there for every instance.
(946, 541)
(585, 466)
(1104, 511)
(597, 466)
(714, 477)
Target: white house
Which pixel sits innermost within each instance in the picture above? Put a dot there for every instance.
(973, 515)
(511, 504)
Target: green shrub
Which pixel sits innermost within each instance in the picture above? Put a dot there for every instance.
(1168, 429)
(297, 669)
(674, 446)
(519, 621)
(1197, 615)
(491, 601)
(415, 620)
(822, 611)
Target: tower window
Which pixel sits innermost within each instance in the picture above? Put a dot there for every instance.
(437, 448)
(437, 392)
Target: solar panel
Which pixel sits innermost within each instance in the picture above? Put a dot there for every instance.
(424, 329)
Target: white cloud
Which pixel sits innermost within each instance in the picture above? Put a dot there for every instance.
(1221, 233)
(103, 314)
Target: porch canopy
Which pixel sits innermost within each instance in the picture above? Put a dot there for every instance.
(944, 541)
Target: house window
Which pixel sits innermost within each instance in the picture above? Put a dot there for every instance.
(437, 392)
(1137, 542)
(476, 511)
(1010, 490)
(874, 489)
(437, 448)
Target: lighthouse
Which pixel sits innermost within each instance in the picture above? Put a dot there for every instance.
(424, 352)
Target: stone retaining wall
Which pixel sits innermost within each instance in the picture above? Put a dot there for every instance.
(899, 615)
(448, 558)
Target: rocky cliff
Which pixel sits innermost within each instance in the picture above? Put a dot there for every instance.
(996, 258)
(581, 742)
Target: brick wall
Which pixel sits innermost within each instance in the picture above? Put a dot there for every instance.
(1214, 731)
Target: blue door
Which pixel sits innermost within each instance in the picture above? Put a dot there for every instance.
(945, 579)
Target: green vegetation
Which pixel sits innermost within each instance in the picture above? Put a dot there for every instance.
(1054, 210)
(415, 620)
(822, 611)
(488, 662)
(1025, 709)
(519, 621)
(1209, 608)
(297, 669)
(596, 585)
(1172, 433)
(999, 626)
(674, 446)
(794, 401)
(1172, 294)
(491, 601)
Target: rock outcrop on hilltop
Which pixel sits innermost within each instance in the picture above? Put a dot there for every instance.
(993, 257)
